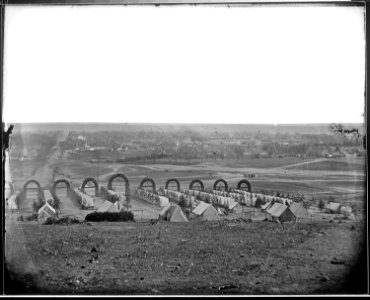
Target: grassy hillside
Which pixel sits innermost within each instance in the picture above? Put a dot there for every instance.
(194, 258)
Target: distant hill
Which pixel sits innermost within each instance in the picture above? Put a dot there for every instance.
(203, 128)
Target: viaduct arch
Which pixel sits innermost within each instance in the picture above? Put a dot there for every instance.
(86, 181)
(244, 185)
(147, 180)
(127, 184)
(224, 185)
(175, 181)
(39, 189)
(196, 181)
(58, 182)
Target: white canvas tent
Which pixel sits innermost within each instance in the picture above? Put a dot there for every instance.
(45, 212)
(163, 201)
(206, 212)
(47, 207)
(266, 206)
(172, 213)
(235, 207)
(115, 207)
(299, 211)
(11, 202)
(334, 207)
(86, 200)
(347, 212)
(281, 213)
(201, 207)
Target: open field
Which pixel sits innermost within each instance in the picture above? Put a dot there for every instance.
(192, 258)
(345, 164)
(345, 182)
(226, 257)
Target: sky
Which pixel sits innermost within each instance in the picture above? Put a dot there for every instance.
(184, 64)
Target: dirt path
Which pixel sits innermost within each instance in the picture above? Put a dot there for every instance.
(304, 163)
(44, 173)
(143, 210)
(72, 209)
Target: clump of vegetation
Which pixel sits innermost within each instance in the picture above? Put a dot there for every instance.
(55, 203)
(63, 221)
(36, 205)
(259, 202)
(182, 201)
(32, 217)
(208, 199)
(321, 204)
(122, 216)
(199, 197)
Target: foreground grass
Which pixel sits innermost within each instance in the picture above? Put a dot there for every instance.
(193, 258)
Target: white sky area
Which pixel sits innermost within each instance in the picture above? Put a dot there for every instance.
(184, 64)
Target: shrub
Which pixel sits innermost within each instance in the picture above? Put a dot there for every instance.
(321, 204)
(182, 201)
(31, 217)
(258, 203)
(55, 203)
(62, 221)
(208, 199)
(36, 206)
(122, 216)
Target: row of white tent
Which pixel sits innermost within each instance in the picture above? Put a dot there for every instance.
(224, 199)
(225, 202)
(202, 212)
(151, 197)
(337, 208)
(83, 199)
(254, 196)
(277, 208)
(294, 212)
(172, 195)
(227, 199)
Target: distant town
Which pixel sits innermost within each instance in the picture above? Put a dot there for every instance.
(186, 145)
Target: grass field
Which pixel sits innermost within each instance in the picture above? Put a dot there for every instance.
(193, 258)
(344, 179)
(333, 165)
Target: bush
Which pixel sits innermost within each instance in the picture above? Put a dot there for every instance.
(122, 216)
(198, 197)
(182, 201)
(37, 205)
(32, 217)
(321, 204)
(63, 221)
(259, 202)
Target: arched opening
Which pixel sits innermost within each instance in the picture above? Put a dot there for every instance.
(220, 185)
(172, 184)
(244, 185)
(147, 184)
(61, 188)
(90, 186)
(120, 184)
(33, 193)
(32, 190)
(196, 184)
